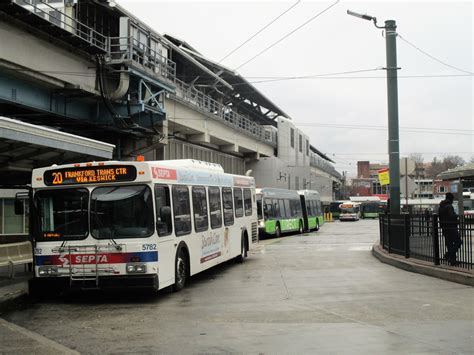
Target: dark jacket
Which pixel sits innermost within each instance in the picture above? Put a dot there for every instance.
(447, 217)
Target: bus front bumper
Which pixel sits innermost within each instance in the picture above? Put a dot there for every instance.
(39, 284)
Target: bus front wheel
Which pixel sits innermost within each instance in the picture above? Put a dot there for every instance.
(180, 271)
(301, 230)
(317, 226)
(277, 231)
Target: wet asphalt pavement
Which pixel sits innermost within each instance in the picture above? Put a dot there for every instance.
(321, 292)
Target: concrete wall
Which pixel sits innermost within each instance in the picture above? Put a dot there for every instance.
(274, 172)
(20, 48)
(200, 128)
(292, 155)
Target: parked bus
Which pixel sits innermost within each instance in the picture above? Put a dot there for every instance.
(371, 209)
(350, 211)
(138, 224)
(334, 209)
(312, 209)
(279, 211)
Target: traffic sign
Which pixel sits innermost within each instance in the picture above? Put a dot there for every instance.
(384, 177)
(407, 167)
(407, 187)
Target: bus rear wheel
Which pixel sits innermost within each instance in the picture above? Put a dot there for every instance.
(243, 249)
(317, 226)
(301, 229)
(180, 271)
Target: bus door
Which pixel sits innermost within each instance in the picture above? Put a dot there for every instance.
(305, 205)
(166, 238)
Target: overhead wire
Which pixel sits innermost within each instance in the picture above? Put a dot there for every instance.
(288, 34)
(258, 32)
(433, 57)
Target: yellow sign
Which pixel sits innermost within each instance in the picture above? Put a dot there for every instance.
(384, 176)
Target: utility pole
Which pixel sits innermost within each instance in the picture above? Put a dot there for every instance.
(392, 102)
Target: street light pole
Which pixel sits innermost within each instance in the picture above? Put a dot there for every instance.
(392, 100)
(392, 103)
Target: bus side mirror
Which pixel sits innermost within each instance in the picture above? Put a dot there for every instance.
(19, 206)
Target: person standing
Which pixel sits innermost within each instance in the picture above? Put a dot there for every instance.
(448, 221)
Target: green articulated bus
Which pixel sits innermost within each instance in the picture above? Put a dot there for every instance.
(371, 209)
(312, 209)
(279, 211)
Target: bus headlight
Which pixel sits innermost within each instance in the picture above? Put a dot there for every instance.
(261, 224)
(136, 268)
(48, 271)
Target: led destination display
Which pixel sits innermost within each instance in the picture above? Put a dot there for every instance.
(90, 175)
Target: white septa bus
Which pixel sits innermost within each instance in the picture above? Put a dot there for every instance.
(138, 224)
(350, 211)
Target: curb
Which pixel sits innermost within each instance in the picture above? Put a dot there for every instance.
(10, 294)
(46, 345)
(421, 267)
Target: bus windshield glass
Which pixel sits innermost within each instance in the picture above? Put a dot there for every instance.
(349, 210)
(62, 214)
(121, 212)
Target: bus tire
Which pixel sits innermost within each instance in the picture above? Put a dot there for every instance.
(301, 229)
(317, 226)
(277, 230)
(243, 248)
(181, 270)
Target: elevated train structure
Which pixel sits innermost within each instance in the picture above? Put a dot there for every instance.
(85, 80)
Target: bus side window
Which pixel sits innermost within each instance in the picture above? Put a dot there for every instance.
(268, 209)
(228, 206)
(288, 209)
(215, 207)
(281, 204)
(276, 208)
(248, 202)
(182, 210)
(309, 209)
(238, 202)
(163, 210)
(201, 221)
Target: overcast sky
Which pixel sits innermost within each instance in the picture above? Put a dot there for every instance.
(335, 43)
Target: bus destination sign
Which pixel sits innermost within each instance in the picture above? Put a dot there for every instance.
(90, 175)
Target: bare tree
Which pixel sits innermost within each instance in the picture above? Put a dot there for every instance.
(417, 158)
(448, 162)
(452, 161)
(419, 166)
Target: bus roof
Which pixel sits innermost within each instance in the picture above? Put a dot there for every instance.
(184, 171)
(272, 192)
(309, 193)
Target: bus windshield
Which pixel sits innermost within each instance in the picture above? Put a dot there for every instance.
(62, 214)
(349, 210)
(121, 212)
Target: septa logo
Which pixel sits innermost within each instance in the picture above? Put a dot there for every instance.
(162, 173)
(90, 259)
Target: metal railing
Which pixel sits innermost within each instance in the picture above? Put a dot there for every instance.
(208, 105)
(422, 236)
(58, 18)
(130, 49)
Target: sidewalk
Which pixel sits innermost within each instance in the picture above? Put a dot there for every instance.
(461, 276)
(13, 338)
